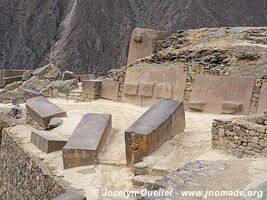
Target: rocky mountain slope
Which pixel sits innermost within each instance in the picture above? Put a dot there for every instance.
(93, 36)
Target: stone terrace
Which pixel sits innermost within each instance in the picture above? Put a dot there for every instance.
(191, 145)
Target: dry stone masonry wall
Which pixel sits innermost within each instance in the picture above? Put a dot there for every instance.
(23, 176)
(243, 136)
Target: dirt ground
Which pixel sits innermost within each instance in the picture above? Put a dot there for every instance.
(111, 173)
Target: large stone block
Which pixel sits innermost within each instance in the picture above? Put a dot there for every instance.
(146, 89)
(130, 89)
(47, 142)
(92, 88)
(263, 99)
(28, 93)
(216, 91)
(42, 110)
(160, 123)
(163, 91)
(143, 42)
(168, 79)
(87, 140)
(70, 196)
(110, 89)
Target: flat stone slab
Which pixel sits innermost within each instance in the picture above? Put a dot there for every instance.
(110, 89)
(28, 93)
(42, 110)
(263, 99)
(215, 91)
(87, 140)
(47, 142)
(160, 123)
(70, 196)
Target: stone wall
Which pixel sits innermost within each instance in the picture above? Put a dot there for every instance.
(23, 176)
(242, 136)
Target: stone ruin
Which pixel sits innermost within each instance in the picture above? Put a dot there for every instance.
(166, 80)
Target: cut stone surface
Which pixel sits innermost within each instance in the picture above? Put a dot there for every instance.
(130, 89)
(47, 142)
(163, 91)
(92, 88)
(146, 89)
(87, 140)
(215, 90)
(143, 42)
(28, 93)
(70, 196)
(110, 89)
(42, 110)
(196, 106)
(263, 99)
(231, 107)
(144, 75)
(160, 123)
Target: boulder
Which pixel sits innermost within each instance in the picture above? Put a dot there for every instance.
(36, 84)
(26, 75)
(49, 71)
(65, 86)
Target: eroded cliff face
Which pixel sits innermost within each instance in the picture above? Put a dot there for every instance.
(93, 35)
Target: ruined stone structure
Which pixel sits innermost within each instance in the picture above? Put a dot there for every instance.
(244, 136)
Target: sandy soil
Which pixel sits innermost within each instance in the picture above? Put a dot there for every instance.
(111, 173)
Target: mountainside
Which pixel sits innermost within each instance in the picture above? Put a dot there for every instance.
(93, 36)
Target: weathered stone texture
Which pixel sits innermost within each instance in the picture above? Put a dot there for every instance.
(91, 89)
(42, 110)
(160, 123)
(110, 89)
(143, 42)
(25, 177)
(242, 136)
(87, 140)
